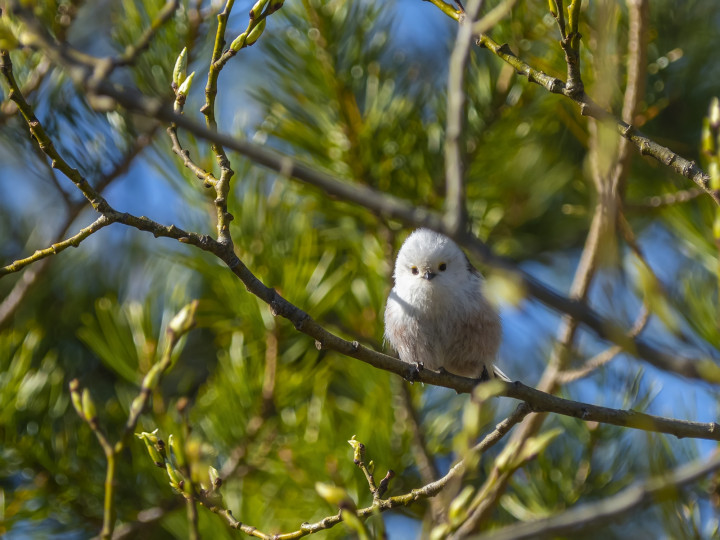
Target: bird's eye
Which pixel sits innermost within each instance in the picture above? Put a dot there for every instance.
(442, 267)
(414, 270)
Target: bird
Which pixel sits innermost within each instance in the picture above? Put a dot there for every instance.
(437, 316)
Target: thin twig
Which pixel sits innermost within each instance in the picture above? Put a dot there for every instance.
(667, 199)
(44, 142)
(602, 358)
(379, 504)
(447, 9)
(73, 241)
(207, 177)
(222, 185)
(31, 276)
(35, 78)
(85, 408)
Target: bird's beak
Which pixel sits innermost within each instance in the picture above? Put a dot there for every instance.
(428, 275)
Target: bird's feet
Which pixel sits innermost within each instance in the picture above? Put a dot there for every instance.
(414, 373)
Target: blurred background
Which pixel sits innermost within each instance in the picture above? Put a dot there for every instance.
(355, 88)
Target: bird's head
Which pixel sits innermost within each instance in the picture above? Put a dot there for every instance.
(429, 261)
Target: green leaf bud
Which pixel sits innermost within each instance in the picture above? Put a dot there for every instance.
(150, 440)
(714, 113)
(215, 480)
(358, 450)
(255, 33)
(183, 322)
(334, 495)
(184, 89)
(257, 9)
(180, 70)
(178, 451)
(458, 506)
(76, 397)
(88, 407)
(177, 480)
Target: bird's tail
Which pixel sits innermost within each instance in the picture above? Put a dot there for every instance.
(499, 374)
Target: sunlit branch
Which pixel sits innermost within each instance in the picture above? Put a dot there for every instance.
(31, 276)
(44, 142)
(379, 504)
(609, 509)
(645, 145)
(222, 185)
(73, 241)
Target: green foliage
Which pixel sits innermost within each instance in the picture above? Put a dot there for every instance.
(333, 85)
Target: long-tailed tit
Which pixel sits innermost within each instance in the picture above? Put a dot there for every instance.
(437, 315)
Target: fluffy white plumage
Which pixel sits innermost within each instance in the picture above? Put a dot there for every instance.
(437, 315)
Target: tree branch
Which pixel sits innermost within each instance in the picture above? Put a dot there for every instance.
(44, 142)
(384, 205)
(455, 208)
(30, 276)
(538, 401)
(701, 369)
(380, 505)
(583, 517)
(222, 185)
(74, 241)
(647, 146)
(602, 358)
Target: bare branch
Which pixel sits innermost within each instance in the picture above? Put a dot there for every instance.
(44, 142)
(74, 241)
(207, 178)
(447, 9)
(455, 208)
(382, 505)
(583, 517)
(605, 356)
(30, 277)
(647, 146)
(222, 185)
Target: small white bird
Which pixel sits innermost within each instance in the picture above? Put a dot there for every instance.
(437, 315)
